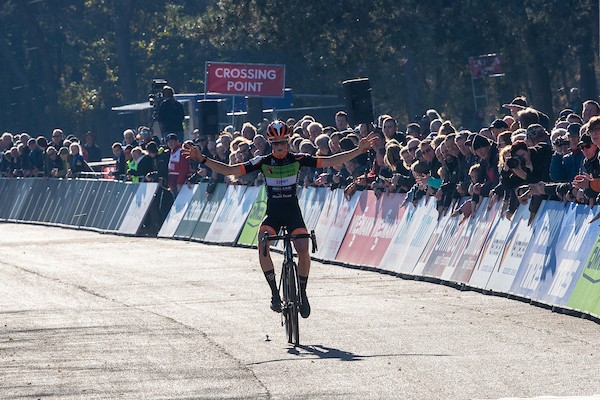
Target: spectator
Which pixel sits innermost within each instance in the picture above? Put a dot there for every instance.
(314, 129)
(78, 164)
(143, 136)
(341, 121)
(160, 164)
(516, 105)
(171, 114)
(413, 130)
(94, 154)
(591, 109)
(497, 127)
(61, 170)
(541, 152)
(503, 140)
(36, 156)
(261, 146)
(139, 166)
(248, 131)
(129, 138)
(179, 167)
(390, 130)
(120, 161)
(591, 163)
(6, 142)
(567, 158)
(487, 153)
(322, 143)
(57, 139)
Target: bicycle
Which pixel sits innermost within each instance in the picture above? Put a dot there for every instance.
(288, 287)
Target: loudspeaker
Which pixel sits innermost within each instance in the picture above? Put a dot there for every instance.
(357, 93)
(254, 109)
(208, 117)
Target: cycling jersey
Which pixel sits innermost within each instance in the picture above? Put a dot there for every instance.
(281, 175)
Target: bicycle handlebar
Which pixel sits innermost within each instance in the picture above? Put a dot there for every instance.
(288, 236)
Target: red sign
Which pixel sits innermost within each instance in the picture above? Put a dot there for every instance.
(258, 80)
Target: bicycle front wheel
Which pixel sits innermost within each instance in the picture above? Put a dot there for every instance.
(294, 302)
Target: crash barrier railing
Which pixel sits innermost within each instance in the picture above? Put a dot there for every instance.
(101, 205)
(551, 260)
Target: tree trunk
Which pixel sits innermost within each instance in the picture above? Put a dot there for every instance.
(123, 10)
(587, 73)
(49, 76)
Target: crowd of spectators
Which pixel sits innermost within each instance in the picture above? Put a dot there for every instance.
(59, 157)
(521, 155)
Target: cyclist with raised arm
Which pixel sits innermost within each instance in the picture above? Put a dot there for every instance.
(280, 169)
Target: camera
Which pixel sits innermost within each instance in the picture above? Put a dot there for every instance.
(155, 97)
(561, 142)
(513, 162)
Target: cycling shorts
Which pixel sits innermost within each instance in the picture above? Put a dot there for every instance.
(284, 213)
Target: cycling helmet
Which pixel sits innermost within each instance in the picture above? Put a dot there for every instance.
(278, 131)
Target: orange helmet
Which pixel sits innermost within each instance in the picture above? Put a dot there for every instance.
(278, 131)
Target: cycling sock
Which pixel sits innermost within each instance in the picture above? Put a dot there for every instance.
(270, 276)
(303, 281)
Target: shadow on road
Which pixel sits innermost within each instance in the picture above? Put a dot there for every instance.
(317, 351)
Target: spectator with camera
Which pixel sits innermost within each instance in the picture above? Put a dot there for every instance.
(567, 158)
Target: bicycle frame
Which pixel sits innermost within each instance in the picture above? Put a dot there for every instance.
(289, 282)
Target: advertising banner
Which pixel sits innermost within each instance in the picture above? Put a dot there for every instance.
(177, 211)
(538, 264)
(14, 194)
(256, 80)
(475, 233)
(371, 229)
(421, 227)
(573, 246)
(249, 234)
(137, 208)
(311, 204)
(192, 213)
(208, 207)
(394, 256)
(518, 240)
(491, 253)
(123, 194)
(333, 223)
(232, 214)
(586, 294)
(439, 260)
(428, 243)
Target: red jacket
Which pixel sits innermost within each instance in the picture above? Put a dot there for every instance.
(179, 168)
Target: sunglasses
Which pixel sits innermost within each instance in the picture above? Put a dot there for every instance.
(585, 146)
(413, 148)
(279, 143)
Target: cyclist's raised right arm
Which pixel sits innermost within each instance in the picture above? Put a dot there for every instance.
(194, 153)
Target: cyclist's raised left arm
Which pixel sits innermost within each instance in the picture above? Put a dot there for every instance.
(363, 146)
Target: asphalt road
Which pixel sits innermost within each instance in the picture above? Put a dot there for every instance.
(91, 316)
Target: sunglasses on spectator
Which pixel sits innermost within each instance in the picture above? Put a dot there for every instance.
(585, 146)
(413, 148)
